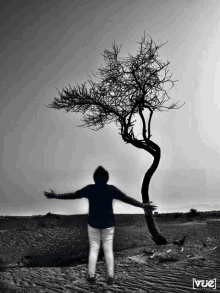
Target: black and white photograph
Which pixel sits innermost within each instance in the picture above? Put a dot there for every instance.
(110, 177)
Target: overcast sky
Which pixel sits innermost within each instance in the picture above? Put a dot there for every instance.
(49, 45)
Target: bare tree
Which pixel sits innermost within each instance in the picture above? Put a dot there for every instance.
(126, 86)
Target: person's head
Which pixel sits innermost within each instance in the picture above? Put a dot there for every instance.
(100, 176)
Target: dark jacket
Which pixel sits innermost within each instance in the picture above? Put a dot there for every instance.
(100, 198)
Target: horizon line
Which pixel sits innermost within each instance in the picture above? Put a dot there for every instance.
(159, 213)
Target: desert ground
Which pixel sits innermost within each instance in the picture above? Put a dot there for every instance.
(43, 255)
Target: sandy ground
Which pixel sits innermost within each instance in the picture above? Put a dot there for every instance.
(55, 260)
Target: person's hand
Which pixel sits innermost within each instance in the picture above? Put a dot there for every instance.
(149, 207)
(51, 194)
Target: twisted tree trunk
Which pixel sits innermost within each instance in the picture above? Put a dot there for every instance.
(154, 150)
(154, 231)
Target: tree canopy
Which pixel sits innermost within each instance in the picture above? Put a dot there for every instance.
(124, 86)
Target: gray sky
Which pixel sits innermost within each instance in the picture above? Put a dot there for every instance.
(46, 46)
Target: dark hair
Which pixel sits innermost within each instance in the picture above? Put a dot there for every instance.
(100, 175)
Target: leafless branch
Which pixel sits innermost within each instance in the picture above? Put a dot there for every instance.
(124, 86)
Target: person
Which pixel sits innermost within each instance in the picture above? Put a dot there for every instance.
(101, 221)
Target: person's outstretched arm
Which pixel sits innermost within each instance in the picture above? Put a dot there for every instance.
(118, 194)
(73, 195)
(146, 206)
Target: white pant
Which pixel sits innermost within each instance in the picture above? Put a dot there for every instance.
(95, 237)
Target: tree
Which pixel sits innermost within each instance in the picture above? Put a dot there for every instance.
(192, 213)
(124, 87)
